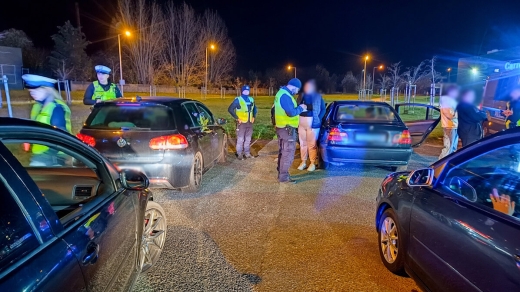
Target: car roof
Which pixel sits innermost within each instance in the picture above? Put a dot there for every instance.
(148, 99)
(341, 102)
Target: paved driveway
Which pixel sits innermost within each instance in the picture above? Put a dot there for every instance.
(244, 232)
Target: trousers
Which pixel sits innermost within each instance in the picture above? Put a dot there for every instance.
(244, 134)
(286, 153)
(450, 140)
(308, 137)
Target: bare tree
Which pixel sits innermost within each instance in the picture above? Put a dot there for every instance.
(222, 59)
(348, 81)
(145, 20)
(414, 74)
(395, 76)
(384, 81)
(430, 70)
(62, 70)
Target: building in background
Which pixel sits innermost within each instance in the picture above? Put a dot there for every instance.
(11, 65)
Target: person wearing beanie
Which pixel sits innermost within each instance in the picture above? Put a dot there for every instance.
(50, 109)
(285, 112)
(101, 89)
(243, 110)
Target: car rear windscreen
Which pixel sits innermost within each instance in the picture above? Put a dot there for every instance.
(362, 113)
(136, 116)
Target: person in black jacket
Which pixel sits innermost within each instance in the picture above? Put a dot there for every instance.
(470, 118)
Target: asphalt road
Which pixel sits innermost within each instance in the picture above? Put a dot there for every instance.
(245, 232)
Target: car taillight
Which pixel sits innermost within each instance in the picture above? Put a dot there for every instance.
(89, 140)
(170, 142)
(335, 135)
(403, 138)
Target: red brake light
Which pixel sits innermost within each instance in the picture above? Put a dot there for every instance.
(170, 142)
(336, 135)
(89, 140)
(403, 138)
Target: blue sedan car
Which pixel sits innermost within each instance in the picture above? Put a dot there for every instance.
(455, 226)
(76, 223)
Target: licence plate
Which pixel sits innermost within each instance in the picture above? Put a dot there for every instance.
(370, 137)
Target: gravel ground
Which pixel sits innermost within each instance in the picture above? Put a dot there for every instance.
(245, 232)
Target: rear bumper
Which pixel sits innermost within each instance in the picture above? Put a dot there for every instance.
(376, 156)
(172, 172)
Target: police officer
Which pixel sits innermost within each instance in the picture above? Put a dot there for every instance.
(286, 119)
(243, 110)
(49, 109)
(101, 89)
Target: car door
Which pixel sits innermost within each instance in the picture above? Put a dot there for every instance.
(102, 221)
(216, 132)
(459, 242)
(202, 134)
(420, 119)
(32, 258)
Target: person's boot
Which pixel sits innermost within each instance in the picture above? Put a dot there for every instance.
(240, 156)
(248, 155)
(312, 167)
(302, 166)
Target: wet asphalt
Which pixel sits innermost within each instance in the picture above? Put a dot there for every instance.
(243, 231)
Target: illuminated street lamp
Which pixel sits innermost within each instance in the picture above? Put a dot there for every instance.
(449, 75)
(212, 47)
(374, 76)
(121, 80)
(365, 74)
(290, 67)
(474, 71)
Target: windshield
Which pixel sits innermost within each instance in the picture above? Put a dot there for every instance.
(131, 116)
(362, 113)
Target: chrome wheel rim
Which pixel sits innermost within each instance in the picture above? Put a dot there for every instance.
(389, 240)
(154, 236)
(197, 170)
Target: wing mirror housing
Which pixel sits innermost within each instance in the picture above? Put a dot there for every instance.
(462, 188)
(221, 121)
(135, 180)
(420, 178)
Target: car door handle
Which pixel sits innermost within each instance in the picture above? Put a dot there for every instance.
(91, 254)
(517, 258)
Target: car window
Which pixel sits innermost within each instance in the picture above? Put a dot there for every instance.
(16, 235)
(206, 113)
(364, 113)
(137, 116)
(491, 180)
(66, 179)
(192, 114)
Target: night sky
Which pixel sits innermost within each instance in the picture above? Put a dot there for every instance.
(273, 33)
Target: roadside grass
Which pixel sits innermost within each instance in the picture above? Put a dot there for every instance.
(263, 130)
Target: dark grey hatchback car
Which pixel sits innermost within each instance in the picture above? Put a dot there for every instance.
(172, 140)
(455, 226)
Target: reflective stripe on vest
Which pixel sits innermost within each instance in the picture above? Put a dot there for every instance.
(281, 118)
(44, 116)
(100, 93)
(245, 113)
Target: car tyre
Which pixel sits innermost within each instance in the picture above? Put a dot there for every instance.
(195, 175)
(223, 154)
(391, 248)
(154, 236)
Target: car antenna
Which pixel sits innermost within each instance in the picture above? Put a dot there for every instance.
(138, 98)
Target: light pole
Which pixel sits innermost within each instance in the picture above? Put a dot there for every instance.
(206, 82)
(365, 74)
(374, 76)
(121, 80)
(449, 75)
(290, 67)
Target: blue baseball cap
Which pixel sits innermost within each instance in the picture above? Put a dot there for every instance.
(34, 81)
(245, 87)
(102, 69)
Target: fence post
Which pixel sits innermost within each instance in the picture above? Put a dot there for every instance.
(7, 97)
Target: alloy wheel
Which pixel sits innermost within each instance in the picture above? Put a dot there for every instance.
(197, 170)
(154, 237)
(389, 239)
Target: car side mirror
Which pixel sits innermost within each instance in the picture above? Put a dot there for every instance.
(463, 189)
(420, 178)
(132, 179)
(221, 121)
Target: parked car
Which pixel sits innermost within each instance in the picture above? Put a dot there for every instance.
(172, 140)
(373, 132)
(455, 226)
(71, 227)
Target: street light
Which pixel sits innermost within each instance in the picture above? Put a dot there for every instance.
(474, 71)
(374, 76)
(449, 75)
(365, 74)
(290, 67)
(121, 80)
(211, 46)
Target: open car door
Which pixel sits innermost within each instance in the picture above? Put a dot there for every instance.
(420, 119)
